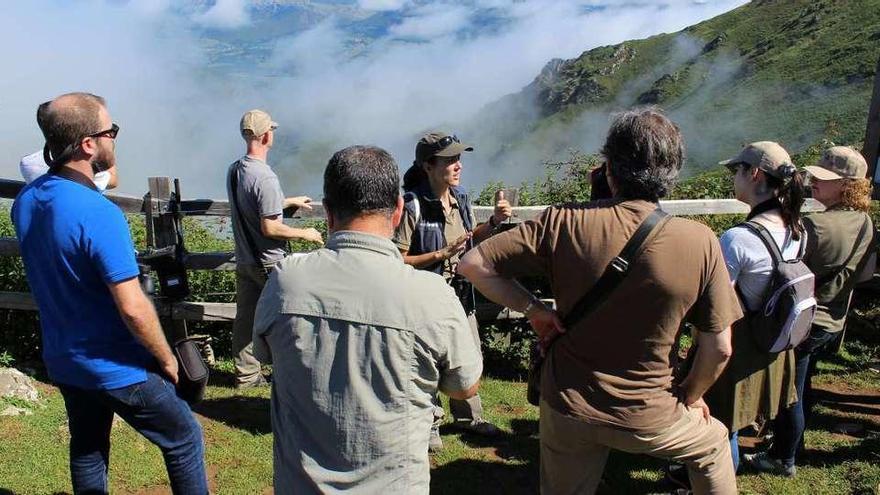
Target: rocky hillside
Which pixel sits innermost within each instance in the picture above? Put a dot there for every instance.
(795, 71)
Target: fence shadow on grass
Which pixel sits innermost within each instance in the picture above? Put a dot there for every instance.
(865, 449)
(832, 409)
(473, 476)
(510, 465)
(243, 412)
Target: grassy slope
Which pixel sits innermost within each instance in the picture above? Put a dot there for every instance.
(792, 71)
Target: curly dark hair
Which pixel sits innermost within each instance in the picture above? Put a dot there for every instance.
(644, 151)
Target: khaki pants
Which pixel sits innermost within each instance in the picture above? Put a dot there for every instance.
(573, 453)
(468, 409)
(249, 282)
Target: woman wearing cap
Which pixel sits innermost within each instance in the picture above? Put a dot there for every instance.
(839, 242)
(437, 227)
(758, 383)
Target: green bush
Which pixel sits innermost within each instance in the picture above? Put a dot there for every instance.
(506, 346)
(564, 181)
(19, 330)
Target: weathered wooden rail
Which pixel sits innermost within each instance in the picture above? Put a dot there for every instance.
(159, 205)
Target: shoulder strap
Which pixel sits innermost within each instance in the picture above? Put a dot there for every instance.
(464, 207)
(616, 270)
(412, 205)
(767, 239)
(233, 187)
(828, 277)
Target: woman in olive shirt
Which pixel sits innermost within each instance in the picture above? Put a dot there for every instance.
(437, 227)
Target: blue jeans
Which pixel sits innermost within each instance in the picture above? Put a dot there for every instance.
(154, 410)
(734, 450)
(790, 424)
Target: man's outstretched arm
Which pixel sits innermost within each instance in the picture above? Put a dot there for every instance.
(274, 228)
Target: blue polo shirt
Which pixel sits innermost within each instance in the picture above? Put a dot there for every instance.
(74, 242)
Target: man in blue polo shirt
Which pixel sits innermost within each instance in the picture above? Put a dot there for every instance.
(102, 342)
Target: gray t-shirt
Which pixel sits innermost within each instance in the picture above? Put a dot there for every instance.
(259, 196)
(360, 343)
(749, 262)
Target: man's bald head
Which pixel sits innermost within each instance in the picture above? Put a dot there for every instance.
(69, 118)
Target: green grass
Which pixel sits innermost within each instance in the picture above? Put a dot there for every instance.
(33, 449)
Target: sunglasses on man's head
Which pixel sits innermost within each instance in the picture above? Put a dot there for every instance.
(111, 133)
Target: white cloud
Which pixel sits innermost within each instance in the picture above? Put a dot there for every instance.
(180, 118)
(151, 7)
(432, 21)
(225, 14)
(382, 5)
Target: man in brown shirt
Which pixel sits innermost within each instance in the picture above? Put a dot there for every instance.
(608, 380)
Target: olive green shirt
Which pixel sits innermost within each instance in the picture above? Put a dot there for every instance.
(831, 237)
(360, 344)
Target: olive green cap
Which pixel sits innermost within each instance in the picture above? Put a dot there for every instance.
(440, 144)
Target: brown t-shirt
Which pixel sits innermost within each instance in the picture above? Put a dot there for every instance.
(615, 366)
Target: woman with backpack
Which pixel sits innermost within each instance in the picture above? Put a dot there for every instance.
(839, 252)
(437, 227)
(759, 381)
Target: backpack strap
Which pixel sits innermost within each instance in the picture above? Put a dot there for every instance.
(464, 207)
(412, 205)
(767, 239)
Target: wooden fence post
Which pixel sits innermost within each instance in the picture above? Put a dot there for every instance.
(162, 233)
(871, 149)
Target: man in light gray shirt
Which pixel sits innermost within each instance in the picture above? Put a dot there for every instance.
(360, 343)
(261, 237)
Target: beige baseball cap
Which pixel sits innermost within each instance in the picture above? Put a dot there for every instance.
(839, 162)
(765, 155)
(256, 123)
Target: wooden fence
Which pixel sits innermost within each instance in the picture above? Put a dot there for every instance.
(161, 203)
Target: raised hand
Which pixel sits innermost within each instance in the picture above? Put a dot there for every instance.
(503, 210)
(303, 202)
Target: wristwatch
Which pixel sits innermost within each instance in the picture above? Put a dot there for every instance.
(492, 222)
(533, 303)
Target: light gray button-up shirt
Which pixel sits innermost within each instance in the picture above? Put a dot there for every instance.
(360, 343)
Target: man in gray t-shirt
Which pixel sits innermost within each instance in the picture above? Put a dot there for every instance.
(360, 343)
(256, 203)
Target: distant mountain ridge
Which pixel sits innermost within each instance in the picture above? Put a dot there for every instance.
(794, 71)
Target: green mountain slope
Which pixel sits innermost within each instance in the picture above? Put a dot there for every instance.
(792, 71)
